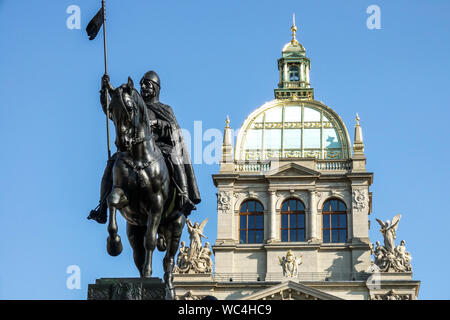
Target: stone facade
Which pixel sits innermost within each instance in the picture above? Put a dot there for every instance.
(275, 173)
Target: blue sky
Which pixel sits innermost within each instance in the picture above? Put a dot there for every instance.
(214, 58)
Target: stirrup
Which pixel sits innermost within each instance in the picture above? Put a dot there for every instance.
(97, 215)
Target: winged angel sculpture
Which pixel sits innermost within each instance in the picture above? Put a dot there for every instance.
(196, 259)
(391, 258)
(290, 264)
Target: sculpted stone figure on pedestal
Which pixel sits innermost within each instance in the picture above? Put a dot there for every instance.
(196, 259)
(150, 179)
(390, 258)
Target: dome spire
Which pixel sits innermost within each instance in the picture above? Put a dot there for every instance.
(294, 31)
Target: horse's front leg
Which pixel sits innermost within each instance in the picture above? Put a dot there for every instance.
(154, 217)
(114, 243)
(173, 235)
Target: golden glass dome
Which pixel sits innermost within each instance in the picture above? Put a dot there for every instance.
(293, 129)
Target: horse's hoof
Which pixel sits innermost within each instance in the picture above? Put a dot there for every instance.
(170, 293)
(147, 274)
(114, 246)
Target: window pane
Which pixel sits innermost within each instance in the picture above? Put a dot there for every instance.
(334, 220)
(326, 221)
(292, 235)
(259, 236)
(334, 236)
(326, 236)
(301, 235)
(300, 206)
(342, 206)
(311, 115)
(285, 206)
(292, 114)
(253, 139)
(334, 205)
(274, 114)
(251, 236)
(251, 221)
(251, 206)
(343, 235)
(242, 237)
(300, 221)
(342, 221)
(311, 138)
(292, 205)
(243, 222)
(272, 139)
(284, 220)
(259, 222)
(244, 207)
(292, 138)
(292, 222)
(330, 139)
(326, 206)
(259, 207)
(284, 235)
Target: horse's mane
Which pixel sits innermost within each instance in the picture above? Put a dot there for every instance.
(142, 107)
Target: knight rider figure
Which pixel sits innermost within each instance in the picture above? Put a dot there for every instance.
(168, 138)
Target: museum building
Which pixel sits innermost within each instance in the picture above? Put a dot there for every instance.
(293, 205)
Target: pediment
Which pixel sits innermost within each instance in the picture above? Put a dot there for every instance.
(290, 291)
(292, 170)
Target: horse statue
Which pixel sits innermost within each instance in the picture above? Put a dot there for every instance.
(142, 189)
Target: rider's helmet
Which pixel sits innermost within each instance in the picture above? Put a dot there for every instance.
(153, 77)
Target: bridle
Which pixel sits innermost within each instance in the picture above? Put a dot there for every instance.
(133, 118)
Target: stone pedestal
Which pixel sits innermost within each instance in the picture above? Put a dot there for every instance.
(127, 289)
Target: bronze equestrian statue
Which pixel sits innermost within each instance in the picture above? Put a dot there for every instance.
(150, 178)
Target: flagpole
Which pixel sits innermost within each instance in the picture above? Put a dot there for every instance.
(106, 73)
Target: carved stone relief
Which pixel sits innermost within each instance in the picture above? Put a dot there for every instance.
(360, 199)
(223, 202)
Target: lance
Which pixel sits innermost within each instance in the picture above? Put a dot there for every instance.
(106, 73)
(92, 30)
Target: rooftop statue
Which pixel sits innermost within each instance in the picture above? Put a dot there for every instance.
(194, 259)
(391, 258)
(290, 264)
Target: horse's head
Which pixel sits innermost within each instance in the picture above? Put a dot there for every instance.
(129, 113)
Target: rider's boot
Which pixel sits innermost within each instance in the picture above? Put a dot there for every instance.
(184, 203)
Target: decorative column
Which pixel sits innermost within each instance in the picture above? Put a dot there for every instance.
(312, 216)
(302, 73)
(286, 73)
(307, 75)
(273, 216)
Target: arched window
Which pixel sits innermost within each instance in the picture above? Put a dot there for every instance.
(334, 221)
(294, 74)
(292, 221)
(251, 222)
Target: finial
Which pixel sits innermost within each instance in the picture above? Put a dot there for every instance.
(228, 122)
(294, 31)
(358, 143)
